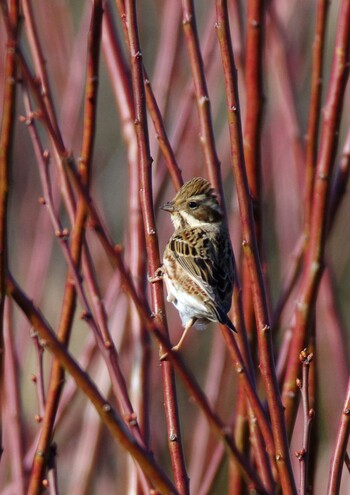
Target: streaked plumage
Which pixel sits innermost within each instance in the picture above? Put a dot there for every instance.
(198, 261)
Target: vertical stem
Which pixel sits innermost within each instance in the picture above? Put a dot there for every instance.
(108, 415)
(254, 95)
(267, 365)
(315, 107)
(314, 259)
(69, 302)
(341, 443)
(6, 140)
(252, 156)
(14, 424)
(308, 413)
(202, 97)
(252, 135)
(170, 396)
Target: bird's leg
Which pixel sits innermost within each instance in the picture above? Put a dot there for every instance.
(158, 275)
(176, 347)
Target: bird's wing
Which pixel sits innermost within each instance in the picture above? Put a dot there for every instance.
(210, 264)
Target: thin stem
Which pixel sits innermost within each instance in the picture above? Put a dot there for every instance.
(341, 443)
(267, 365)
(14, 424)
(315, 107)
(152, 248)
(255, 97)
(38, 378)
(206, 132)
(108, 415)
(39, 62)
(162, 138)
(6, 140)
(308, 414)
(314, 259)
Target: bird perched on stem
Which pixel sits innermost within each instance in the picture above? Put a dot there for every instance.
(198, 263)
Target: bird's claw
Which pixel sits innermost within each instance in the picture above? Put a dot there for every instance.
(163, 356)
(158, 275)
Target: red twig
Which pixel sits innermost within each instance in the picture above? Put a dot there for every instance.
(337, 462)
(11, 391)
(6, 139)
(39, 62)
(241, 436)
(206, 132)
(304, 454)
(315, 107)
(38, 378)
(254, 96)
(164, 144)
(250, 250)
(172, 416)
(108, 415)
(314, 259)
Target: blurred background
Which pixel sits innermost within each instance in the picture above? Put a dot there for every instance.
(88, 459)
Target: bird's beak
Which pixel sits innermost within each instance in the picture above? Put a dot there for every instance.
(168, 207)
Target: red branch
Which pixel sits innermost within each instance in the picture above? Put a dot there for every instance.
(304, 454)
(314, 259)
(202, 97)
(267, 365)
(6, 139)
(340, 448)
(109, 416)
(315, 107)
(152, 248)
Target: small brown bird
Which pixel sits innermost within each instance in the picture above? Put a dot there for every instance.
(198, 265)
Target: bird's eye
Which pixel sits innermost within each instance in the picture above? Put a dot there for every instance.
(192, 205)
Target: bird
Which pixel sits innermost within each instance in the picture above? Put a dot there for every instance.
(198, 261)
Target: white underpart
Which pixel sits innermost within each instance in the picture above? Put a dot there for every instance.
(188, 306)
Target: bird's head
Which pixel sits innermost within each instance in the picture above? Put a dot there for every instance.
(195, 204)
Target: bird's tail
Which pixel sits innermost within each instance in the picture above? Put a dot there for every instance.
(225, 320)
(230, 325)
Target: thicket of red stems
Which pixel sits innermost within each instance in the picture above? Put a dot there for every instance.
(106, 109)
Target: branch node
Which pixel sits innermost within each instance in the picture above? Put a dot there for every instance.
(203, 100)
(131, 419)
(26, 119)
(85, 315)
(62, 234)
(118, 248)
(187, 20)
(300, 454)
(306, 357)
(254, 23)
(108, 344)
(46, 155)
